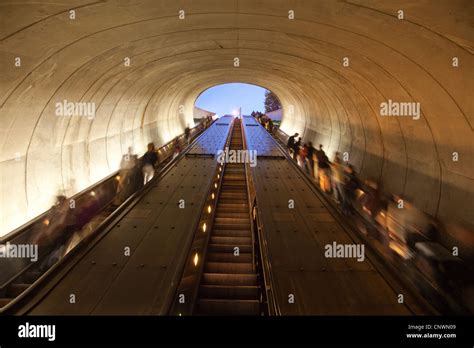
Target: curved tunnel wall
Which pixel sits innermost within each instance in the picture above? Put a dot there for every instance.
(173, 60)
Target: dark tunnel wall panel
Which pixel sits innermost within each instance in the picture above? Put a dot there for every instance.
(457, 194)
(394, 173)
(422, 185)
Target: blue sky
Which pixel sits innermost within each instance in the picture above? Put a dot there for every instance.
(223, 99)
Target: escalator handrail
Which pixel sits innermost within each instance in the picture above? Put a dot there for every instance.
(268, 282)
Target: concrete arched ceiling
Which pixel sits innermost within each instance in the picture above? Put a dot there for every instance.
(173, 60)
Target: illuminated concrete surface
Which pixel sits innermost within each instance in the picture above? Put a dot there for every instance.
(172, 61)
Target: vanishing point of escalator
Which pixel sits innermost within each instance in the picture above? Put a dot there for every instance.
(229, 283)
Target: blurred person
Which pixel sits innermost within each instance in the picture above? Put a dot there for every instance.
(176, 147)
(337, 171)
(324, 167)
(291, 142)
(58, 228)
(83, 216)
(407, 225)
(296, 149)
(311, 156)
(351, 184)
(135, 180)
(125, 178)
(87, 211)
(320, 154)
(371, 203)
(303, 157)
(149, 161)
(129, 160)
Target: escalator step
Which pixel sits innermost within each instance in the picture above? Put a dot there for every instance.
(231, 240)
(4, 301)
(16, 289)
(230, 226)
(231, 233)
(229, 307)
(229, 292)
(233, 207)
(229, 257)
(229, 279)
(30, 277)
(228, 267)
(232, 215)
(223, 248)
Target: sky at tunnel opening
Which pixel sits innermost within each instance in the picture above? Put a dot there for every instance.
(226, 98)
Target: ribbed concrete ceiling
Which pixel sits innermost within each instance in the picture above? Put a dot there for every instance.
(173, 60)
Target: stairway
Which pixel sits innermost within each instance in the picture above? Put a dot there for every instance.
(229, 283)
(17, 287)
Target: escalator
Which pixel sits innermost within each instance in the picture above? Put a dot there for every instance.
(229, 283)
(22, 278)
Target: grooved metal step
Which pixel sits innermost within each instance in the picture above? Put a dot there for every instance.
(224, 248)
(229, 307)
(231, 233)
(228, 267)
(236, 279)
(229, 292)
(16, 289)
(231, 240)
(229, 257)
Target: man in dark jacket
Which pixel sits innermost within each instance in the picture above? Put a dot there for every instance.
(296, 149)
(291, 141)
(149, 160)
(351, 184)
